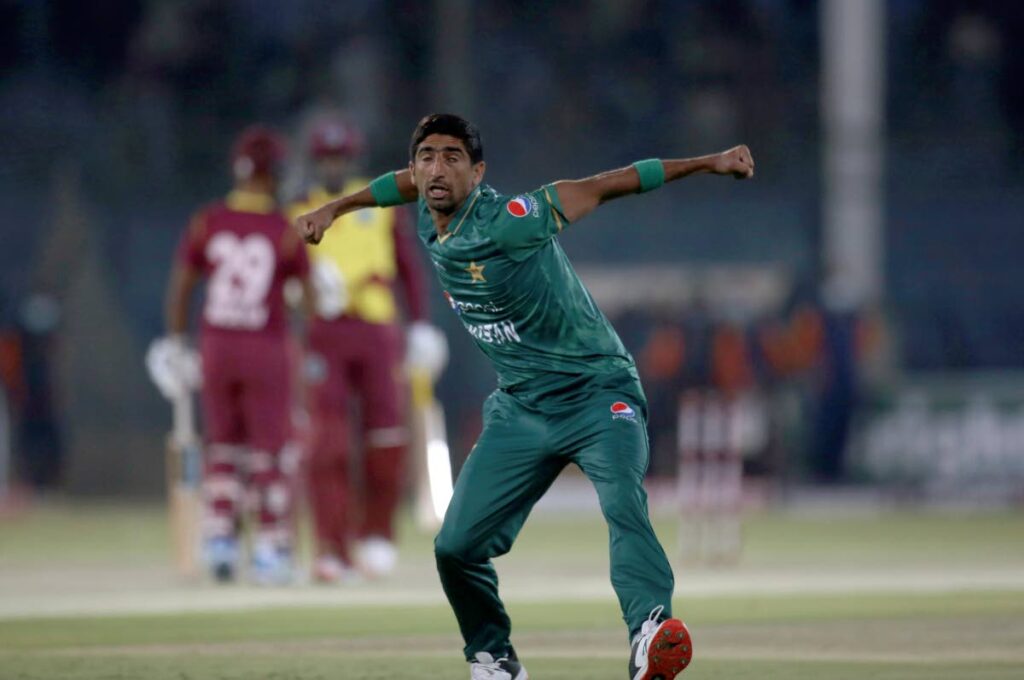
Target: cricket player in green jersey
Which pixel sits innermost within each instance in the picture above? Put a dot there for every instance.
(568, 391)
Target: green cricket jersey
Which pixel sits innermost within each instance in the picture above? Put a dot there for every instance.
(509, 281)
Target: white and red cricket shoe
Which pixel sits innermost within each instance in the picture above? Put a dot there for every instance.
(661, 650)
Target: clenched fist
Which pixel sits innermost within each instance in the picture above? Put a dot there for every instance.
(737, 162)
(312, 225)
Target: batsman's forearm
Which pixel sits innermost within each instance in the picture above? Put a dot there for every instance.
(176, 320)
(179, 293)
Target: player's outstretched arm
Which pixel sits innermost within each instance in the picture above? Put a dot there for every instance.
(312, 225)
(580, 196)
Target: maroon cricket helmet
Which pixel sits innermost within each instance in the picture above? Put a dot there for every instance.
(335, 137)
(258, 151)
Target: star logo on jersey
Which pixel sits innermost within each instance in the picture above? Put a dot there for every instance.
(622, 411)
(476, 271)
(521, 206)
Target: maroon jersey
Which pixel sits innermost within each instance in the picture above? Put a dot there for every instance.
(247, 250)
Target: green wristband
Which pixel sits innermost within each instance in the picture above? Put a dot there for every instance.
(385, 190)
(652, 174)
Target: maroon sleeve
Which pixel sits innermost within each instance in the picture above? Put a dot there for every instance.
(294, 254)
(410, 272)
(193, 242)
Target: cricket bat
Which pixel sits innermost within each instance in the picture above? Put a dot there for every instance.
(184, 492)
(432, 463)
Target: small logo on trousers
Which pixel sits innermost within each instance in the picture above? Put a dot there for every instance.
(622, 411)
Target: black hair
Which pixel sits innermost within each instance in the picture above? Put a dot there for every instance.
(452, 125)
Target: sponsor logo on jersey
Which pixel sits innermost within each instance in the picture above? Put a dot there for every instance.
(521, 206)
(459, 307)
(622, 411)
(496, 333)
(500, 333)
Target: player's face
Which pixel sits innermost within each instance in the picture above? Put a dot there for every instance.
(443, 173)
(332, 170)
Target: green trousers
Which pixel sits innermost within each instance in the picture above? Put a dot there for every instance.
(521, 450)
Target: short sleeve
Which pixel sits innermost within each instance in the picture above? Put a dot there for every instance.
(527, 222)
(191, 248)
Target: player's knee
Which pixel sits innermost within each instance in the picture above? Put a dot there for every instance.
(451, 546)
(328, 453)
(620, 506)
(326, 462)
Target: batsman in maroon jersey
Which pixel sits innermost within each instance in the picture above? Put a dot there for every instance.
(244, 249)
(359, 355)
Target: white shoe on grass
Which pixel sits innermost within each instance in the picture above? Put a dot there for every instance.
(331, 570)
(486, 667)
(377, 556)
(271, 565)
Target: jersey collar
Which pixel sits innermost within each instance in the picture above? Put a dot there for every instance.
(250, 201)
(461, 215)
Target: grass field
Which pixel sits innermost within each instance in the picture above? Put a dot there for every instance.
(85, 594)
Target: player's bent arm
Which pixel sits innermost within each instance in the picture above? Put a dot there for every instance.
(179, 294)
(579, 197)
(393, 188)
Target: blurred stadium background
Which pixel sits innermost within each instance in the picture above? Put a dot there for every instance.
(850, 321)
